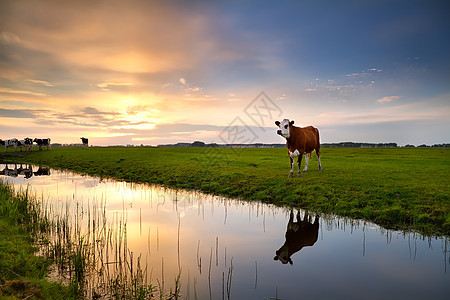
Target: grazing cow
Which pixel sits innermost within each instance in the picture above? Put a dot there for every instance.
(11, 143)
(21, 144)
(298, 235)
(85, 142)
(28, 143)
(299, 140)
(43, 142)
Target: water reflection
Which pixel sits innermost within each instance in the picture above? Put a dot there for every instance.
(298, 235)
(221, 248)
(25, 170)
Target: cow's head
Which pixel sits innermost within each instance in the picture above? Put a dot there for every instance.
(283, 255)
(284, 127)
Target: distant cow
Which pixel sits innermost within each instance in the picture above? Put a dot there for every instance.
(43, 142)
(28, 143)
(85, 142)
(298, 235)
(299, 140)
(11, 143)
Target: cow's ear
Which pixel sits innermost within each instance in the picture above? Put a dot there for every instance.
(276, 257)
(277, 123)
(291, 123)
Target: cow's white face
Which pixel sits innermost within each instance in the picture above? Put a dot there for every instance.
(283, 255)
(284, 127)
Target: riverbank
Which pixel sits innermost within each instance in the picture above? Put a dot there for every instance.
(397, 188)
(22, 273)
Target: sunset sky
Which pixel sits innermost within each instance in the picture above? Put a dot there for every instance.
(156, 72)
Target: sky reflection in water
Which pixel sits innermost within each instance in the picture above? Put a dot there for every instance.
(204, 237)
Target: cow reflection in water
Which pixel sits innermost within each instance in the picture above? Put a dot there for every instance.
(42, 171)
(299, 234)
(24, 170)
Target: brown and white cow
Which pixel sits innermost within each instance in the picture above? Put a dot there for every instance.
(299, 140)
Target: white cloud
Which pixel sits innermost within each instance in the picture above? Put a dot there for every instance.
(105, 85)
(46, 83)
(21, 92)
(9, 38)
(388, 99)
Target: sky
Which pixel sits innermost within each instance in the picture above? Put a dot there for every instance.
(157, 72)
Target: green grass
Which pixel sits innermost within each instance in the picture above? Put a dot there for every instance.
(22, 274)
(397, 188)
(25, 229)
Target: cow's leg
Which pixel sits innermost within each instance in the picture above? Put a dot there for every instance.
(306, 162)
(318, 156)
(299, 164)
(292, 167)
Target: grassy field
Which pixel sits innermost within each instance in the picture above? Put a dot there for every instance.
(397, 188)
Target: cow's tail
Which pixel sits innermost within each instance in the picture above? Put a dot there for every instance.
(317, 141)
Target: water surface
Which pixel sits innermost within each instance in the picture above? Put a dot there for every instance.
(223, 248)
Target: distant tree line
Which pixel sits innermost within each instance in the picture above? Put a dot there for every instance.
(325, 145)
(359, 145)
(202, 144)
(426, 146)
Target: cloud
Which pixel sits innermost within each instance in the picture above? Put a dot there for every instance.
(17, 113)
(388, 99)
(43, 82)
(20, 92)
(182, 80)
(9, 38)
(105, 86)
(94, 111)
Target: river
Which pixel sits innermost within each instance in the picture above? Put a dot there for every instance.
(222, 248)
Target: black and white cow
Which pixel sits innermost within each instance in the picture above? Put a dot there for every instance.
(11, 143)
(28, 143)
(85, 142)
(43, 142)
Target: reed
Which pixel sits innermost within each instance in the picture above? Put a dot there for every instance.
(90, 253)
